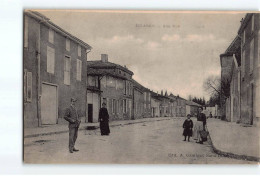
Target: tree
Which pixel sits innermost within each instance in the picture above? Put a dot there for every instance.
(214, 85)
(217, 88)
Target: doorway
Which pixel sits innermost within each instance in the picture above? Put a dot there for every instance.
(49, 104)
(90, 113)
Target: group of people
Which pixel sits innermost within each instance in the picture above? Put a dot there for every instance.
(197, 130)
(71, 115)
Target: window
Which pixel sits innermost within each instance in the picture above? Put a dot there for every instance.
(67, 44)
(111, 82)
(129, 87)
(117, 107)
(92, 81)
(79, 50)
(28, 86)
(26, 37)
(113, 106)
(144, 96)
(50, 59)
(104, 81)
(51, 36)
(144, 106)
(79, 69)
(124, 105)
(243, 64)
(67, 70)
(251, 56)
(125, 88)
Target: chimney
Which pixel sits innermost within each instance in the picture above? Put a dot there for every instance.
(104, 58)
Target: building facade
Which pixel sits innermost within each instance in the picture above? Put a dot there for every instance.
(180, 107)
(240, 65)
(230, 73)
(114, 86)
(249, 32)
(47, 87)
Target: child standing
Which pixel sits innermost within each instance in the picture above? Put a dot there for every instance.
(187, 125)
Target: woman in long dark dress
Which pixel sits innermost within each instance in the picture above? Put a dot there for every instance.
(187, 125)
(104, 119)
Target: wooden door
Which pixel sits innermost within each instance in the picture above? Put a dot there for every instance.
(49, 104)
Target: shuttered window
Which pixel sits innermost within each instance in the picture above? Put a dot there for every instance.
(51, 36)
(67, 44)
(79, 50)
(26, 37)
(67, 65)
(124, 105)
(29, 86)
(50, 60)
(79, 69)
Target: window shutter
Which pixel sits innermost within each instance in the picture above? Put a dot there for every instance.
(51, 36)
(25, 85)
(79, 50)
(79, 67)
(26, 33)
(50, 59)
(29, 87)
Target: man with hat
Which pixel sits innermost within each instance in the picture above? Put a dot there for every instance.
(71, 115)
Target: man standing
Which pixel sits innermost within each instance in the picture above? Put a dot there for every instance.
(71, 115)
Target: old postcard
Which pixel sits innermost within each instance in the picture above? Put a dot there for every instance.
(141, 87)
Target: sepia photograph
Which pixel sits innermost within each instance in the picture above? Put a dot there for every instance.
(141, 87)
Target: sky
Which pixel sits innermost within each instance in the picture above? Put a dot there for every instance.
(173, 51)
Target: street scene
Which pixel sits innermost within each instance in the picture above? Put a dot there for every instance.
(135, 87)
(148, 142)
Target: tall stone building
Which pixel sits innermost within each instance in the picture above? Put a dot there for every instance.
(54, 68)
(249, 32)
(240, 66)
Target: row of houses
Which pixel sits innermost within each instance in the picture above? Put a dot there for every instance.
(55, 68)
(127, 99)
(240, 68)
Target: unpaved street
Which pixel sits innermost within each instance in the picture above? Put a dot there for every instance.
(150, 142)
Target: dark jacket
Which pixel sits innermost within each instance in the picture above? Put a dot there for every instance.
(103, 115)
(71, 115)
(202, 117)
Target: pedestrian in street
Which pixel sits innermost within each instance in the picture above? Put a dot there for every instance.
(71, 115)
(104, 120)
(199, 125)
(187, 125)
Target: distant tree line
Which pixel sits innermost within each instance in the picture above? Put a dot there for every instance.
(197, 100)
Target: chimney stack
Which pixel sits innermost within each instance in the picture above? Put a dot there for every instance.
(104, 57)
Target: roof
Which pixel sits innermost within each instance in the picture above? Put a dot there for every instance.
(245, 22)
(46, 21)
(139, 86)
(96, 64)
(191, 103)
(101, 72)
